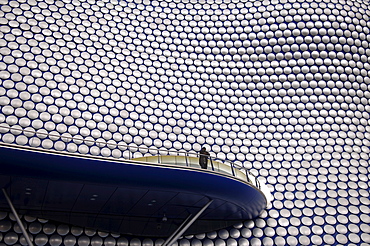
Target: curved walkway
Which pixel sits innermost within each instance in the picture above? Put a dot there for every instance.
(124, 196)
(142, 154)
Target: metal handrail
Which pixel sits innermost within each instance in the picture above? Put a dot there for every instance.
(148, 150)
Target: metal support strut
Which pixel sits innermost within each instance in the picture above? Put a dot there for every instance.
(17, 218)
(184, 226)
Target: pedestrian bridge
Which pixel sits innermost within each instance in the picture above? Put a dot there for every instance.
(151, 195)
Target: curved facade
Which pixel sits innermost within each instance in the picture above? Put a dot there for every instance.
(279, 86)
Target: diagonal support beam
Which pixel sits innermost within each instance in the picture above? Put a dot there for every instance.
(184, 226)
(25, 234)
(177, 230)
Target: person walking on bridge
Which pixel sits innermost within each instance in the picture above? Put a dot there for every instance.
(203, 158)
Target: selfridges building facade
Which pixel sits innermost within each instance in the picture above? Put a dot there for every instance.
(281, 86)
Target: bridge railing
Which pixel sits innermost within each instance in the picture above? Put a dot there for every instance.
(123, 151)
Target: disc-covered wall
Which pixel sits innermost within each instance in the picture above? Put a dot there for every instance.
(281, 86)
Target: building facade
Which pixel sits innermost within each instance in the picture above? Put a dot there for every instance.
(281, 86)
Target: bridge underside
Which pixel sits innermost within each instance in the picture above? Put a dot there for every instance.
(122, 197)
